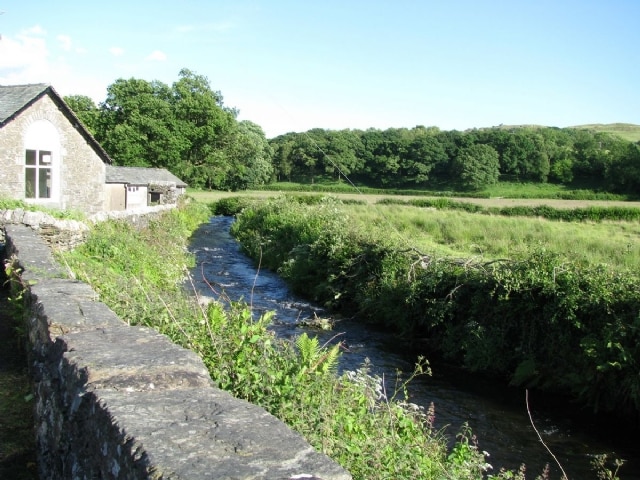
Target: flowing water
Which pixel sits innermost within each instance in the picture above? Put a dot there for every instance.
(497, 414)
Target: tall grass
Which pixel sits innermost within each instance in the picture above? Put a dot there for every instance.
(463, 234)
(503, 189)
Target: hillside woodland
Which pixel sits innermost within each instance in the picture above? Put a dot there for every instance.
(186, 128)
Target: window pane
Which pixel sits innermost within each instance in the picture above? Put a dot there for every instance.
(30, 182)
(45, 158)
(44, 183)
(30, 157)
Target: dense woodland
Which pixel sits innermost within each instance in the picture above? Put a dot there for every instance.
(187, 129)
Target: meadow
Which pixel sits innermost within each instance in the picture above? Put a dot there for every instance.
(140, 274)
(459, 233)
(462, 234)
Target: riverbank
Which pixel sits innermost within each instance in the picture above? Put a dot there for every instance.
(540, 319)
(495, 412)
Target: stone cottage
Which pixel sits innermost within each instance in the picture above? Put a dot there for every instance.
(47, 157)
(135, 187)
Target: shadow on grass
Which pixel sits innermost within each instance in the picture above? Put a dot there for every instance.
(17, 438)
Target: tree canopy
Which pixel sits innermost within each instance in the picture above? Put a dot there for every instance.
(186, 128)
(420, 157)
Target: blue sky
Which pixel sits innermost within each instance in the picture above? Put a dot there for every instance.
(296, 65)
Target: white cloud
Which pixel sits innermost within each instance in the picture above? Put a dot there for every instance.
(65, 42)
(157, 55)
(35, 30)
(24, 55)
(25, 58)
(116, 51)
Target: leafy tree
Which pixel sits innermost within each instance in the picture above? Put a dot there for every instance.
(477, 166)
(184, 127)
(562, 169)
(204, 127)
(86, 110)
(137, 126)
(249, 157)
(623, 173)
(282, 161)
(305, 154)
(378, 166)
(424, 153)
(341, 153)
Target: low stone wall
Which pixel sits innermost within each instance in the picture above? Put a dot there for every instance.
(68, 234)
(119, 402)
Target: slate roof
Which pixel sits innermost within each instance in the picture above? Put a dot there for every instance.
(14, 99)
(141, 176)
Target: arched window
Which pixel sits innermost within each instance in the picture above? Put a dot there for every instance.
(41, 161)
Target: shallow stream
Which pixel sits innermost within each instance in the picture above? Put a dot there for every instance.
(497, 414)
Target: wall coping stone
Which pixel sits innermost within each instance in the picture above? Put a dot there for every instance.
(114, 401)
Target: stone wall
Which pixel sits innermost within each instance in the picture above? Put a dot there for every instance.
(68, 234)
(119, 402)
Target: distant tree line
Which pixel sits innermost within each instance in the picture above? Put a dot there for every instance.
(187, 129)
(423, 156)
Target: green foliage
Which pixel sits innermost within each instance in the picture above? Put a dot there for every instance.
(230, 206)
(477, 166)
(429, 158)
(600, 464)
(538, 318)
(85, 109)
(585, 214)
(184, 127)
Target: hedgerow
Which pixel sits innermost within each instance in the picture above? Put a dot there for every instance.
(538, 319)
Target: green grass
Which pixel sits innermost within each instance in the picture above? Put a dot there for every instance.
(10, 204)
(501, 191)
(628, 131)
(463, 234)
(140, 274)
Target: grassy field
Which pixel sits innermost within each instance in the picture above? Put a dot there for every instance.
(497, 201)
(461, 234)
(628, 131)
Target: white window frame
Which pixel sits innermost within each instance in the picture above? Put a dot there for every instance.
(42, 157)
